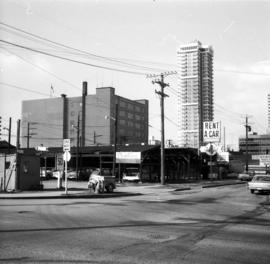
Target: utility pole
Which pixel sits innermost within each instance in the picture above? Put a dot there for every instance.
(17, 160)
(115, 138)
(18, 133)
(224, 138)
(77, 149)
(28, 132)
(95, 136)
(162, 85)
(9, 134)
(248, 129)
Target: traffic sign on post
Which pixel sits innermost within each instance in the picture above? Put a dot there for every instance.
(66, 144)
(66, 156)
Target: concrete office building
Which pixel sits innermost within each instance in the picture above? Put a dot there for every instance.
(256, 144)
(47, 121)
(195, 92)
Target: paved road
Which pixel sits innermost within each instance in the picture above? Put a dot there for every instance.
(217, 225)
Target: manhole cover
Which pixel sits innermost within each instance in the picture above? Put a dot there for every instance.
(158, 236)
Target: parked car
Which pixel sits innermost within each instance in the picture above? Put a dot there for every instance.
(72, 175)
(245, 176)
(131, 175)
(45, 174)
(57, 174)
(102, 178)
(260, 183)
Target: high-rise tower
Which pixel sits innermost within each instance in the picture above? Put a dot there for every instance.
(195, 93)
(268, 129)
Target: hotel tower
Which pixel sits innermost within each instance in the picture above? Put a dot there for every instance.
(195, 92)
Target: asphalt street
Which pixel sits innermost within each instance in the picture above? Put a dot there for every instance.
(215, 225)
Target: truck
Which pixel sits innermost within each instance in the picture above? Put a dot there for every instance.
(102, 179)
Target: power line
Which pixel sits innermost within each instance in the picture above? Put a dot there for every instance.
(24, 89)
(80, 51)
(70, 60)
(42, 69)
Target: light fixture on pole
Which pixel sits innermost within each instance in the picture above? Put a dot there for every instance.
(115, 135)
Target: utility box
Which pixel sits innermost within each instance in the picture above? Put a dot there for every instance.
(28, 166)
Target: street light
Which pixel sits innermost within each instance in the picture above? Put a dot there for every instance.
(115, 137)
(77, 149)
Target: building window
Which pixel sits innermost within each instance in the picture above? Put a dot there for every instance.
(122, 104)
(122, 122)
(122, 113)
(137, 117)
(130, 107)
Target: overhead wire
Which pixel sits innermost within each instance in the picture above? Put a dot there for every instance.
(70, 60)
(79, 52)
(42, 69)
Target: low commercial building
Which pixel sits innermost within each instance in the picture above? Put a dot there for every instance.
(86, 120)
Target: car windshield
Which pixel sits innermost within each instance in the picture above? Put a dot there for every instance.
(262, 178)
(132, 172)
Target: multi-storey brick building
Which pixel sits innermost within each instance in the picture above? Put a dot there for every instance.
(48, 121)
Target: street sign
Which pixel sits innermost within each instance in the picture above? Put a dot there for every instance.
(66, 144)
(66, 156)
(264, 159)
(211, 149)
(211, 131)
(41, 148)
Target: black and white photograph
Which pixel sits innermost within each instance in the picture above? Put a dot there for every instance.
(135, 131)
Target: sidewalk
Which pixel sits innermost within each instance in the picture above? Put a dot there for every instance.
(120, 191)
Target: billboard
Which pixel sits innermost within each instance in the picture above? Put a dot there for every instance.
(128, 157)
(264, 159)
(211, 131)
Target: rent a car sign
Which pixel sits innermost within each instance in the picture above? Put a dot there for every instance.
(211, 131)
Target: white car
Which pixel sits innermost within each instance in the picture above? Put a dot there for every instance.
(131, 175)
(260, 183)
(245, 176)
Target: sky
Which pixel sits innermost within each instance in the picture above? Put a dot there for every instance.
(116, 43)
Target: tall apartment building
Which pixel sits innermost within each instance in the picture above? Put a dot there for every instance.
(48, 121)
(195, 92)
(268, 130)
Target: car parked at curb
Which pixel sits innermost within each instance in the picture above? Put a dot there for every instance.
(245, 176)
(45, 174)
(131, 175)
(260, 183)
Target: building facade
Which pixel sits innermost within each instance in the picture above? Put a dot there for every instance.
(87, 120)
(268, 100)
(256, 144)
(195, 92)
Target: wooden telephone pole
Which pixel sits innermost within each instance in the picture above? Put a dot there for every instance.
(162, 84)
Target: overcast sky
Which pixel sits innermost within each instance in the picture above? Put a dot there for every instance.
(132, 38)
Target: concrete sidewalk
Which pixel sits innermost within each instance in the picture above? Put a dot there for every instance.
(120, 191)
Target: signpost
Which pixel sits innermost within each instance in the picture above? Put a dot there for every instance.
(211, 134)
(66, 158)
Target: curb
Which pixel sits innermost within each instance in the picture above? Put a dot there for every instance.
(71, 196)
(222, 184)
(182, 189)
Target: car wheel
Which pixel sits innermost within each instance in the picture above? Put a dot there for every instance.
(252, 191)
(109, 188)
